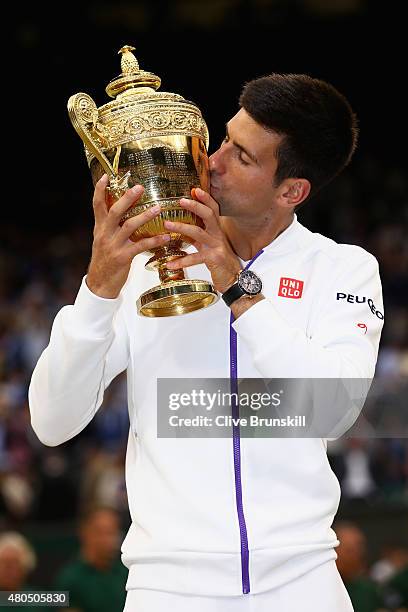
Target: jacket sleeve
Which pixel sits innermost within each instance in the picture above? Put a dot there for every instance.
(88, 347)
(341, 344)
(343, 337)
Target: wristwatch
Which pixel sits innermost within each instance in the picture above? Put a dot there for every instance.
(248, 283)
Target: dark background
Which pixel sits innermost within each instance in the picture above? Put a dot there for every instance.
(203, 50)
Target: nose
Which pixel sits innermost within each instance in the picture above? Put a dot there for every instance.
(215, 161)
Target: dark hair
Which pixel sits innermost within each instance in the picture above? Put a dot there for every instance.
(89, 512)
(318, 125)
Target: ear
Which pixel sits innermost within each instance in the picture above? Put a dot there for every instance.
(293, 191)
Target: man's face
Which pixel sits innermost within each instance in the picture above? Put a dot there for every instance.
(101, 534)
(243, 170)
(351, 552)
(12, 570)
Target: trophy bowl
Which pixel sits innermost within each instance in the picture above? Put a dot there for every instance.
(158, 140)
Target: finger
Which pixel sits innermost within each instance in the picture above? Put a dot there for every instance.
(205, 212)
(133, 223)
(208, 200)
(146, 244)
(99, 199)
(117, 210)
(185, 262)
(192, 231)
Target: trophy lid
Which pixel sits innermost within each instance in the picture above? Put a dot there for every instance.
(136, 112)
(131, 77)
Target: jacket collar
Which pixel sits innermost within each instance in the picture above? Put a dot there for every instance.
(286, 242)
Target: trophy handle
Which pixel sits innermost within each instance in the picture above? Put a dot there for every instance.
(83, 113)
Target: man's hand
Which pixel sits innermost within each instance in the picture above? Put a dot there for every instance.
(112, 251)
(211, 243)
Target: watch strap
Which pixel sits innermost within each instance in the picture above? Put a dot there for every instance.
(232, 294)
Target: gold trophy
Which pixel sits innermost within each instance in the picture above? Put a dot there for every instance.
(158, 140)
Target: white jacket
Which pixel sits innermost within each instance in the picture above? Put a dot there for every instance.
(216, 516)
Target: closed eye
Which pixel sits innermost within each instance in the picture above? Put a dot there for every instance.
(239, 151)
(241, 159)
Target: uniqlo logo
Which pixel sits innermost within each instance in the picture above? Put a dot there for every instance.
(290, 288)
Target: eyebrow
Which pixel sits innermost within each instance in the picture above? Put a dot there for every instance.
(243, 149)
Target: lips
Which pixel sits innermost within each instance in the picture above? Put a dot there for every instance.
(213, 184)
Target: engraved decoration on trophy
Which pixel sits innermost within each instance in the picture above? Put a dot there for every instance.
(158, 140)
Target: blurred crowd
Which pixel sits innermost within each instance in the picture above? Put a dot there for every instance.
(95, 579)
(41, 270)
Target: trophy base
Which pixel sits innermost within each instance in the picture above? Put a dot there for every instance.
(176, 298)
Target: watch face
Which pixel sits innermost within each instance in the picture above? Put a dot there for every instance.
(250, 282)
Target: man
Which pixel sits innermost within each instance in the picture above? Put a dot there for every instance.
(17, 561)
(396, 590)
(227, 524)
(96, 580)
(352, 565)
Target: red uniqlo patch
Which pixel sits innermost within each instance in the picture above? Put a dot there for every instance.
(290, 288)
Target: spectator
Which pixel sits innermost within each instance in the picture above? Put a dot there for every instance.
(352, 565)
(358, 482)
(396, 591)
(17, 561)
(96, 579)
(394, 559)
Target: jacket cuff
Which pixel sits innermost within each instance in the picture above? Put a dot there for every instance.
(94, 314)
(255, 322)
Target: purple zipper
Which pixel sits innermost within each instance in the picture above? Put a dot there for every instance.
(246, 587)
